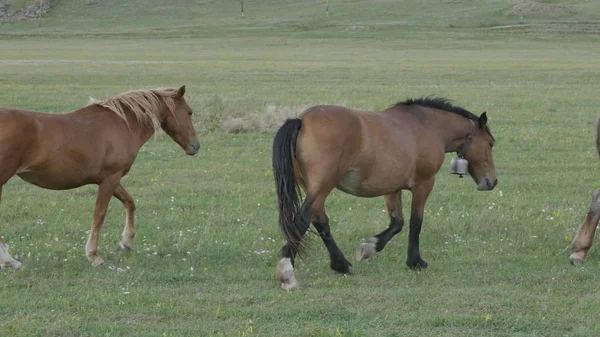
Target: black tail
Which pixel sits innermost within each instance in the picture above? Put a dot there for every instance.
(292, 221)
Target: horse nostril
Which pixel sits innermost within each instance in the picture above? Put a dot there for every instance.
(495, 182)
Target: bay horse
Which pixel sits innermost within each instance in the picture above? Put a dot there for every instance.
(582, 242)
(93, 145)
(369, 154)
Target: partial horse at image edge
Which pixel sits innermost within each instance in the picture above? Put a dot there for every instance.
(583, 240)
(96, 144)
(368, 154)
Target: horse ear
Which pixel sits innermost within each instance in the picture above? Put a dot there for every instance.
(483, 120)
(181, 92)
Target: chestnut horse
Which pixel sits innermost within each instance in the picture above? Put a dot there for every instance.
(93, 145)
(585, 235)
(369, 154)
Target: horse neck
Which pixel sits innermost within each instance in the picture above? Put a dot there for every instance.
(140, 131)
(454, 130)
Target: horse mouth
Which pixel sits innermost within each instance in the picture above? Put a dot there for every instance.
(192, 148)
(487, 184)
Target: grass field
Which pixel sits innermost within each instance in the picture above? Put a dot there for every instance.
(207, 238)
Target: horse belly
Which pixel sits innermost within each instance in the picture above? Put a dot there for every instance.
(352, 183)
(53, 181)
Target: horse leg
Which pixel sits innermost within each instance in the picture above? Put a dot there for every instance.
(585, 235)
(419, 198)
(393, 203)
(5, 259)
(284, 271)
(129, 231)
(105, 191)
(321, 224)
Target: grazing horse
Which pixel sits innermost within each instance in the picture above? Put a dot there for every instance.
(585, 235)
(369, 154)
(93, 145)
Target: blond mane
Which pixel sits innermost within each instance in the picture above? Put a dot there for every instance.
(144, 104)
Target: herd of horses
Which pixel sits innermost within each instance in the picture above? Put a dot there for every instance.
(362, 153)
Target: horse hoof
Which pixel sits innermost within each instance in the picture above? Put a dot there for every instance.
(366, 250)
(97, 261)
(285, 274)
(344, 267)
(577, 260)
(125, 248)
(16, 265)
(289, 285)
(417, 264)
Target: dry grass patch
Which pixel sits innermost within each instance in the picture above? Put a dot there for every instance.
(218, 115)
(529, 8)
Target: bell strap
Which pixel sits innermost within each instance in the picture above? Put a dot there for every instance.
(465, 147)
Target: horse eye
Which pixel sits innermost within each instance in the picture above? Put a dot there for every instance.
(190, 112)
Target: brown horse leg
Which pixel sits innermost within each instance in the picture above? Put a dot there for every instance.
(376, 243)
(5, 259)
(129, 230)
(585, 235)
(105, 191)
(420, 194)
(321, 223)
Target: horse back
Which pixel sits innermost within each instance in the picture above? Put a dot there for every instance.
(16, 124)
(370, 153)
(358, 133)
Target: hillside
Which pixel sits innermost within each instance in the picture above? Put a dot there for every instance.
(212, 18)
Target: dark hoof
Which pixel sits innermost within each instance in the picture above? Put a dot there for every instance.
(343, 266)
(417, 264)
(124, 248)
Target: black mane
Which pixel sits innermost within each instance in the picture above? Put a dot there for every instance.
(439, 103)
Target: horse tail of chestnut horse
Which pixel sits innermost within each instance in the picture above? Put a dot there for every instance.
(288, 193)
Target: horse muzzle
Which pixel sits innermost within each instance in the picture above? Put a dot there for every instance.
(487, 184)
(192, 148)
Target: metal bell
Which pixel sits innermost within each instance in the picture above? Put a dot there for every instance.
(459, 166)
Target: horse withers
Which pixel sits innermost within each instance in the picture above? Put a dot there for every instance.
(369, 154)
(93, 145)
(582, 242)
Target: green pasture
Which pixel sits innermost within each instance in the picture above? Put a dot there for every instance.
(207, 238)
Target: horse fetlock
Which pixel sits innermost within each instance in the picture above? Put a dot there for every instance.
(92, 255)
(285, 274)
(126, 243)
(366, 249)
